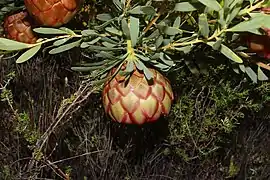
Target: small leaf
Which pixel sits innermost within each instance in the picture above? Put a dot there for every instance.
(61, 41)
(252, 24)
(251, 74)
(177, 22)
(136, 10)
(261, 75)
(42, 30)
(89, 32)
(171, 31)
(134, 30)
(117, 4)
(69, 31)
(159, 41)
(217, 44)
(114, 31)
(28, 54)
(213, 4)
(11, 45)
(203, 25)
(149, 10)
(65, 47)
(166, 59)
(125, 28)
(104, 17)
(109, 45)
(144, 58)
(228, 53)
(186, 6)
(130, 67)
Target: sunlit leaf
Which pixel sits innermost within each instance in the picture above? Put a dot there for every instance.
(251, 74)
(203, 25)
(125, 28)
(149, 10)
(134, 30)
(61, 41)
(261, 75)
(43, 30)
(213, 4)
(11, 45)
(28, 54)
(177, 22)
(227, 52)
(186, 6)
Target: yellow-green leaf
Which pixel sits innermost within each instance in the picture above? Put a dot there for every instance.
(28, 54)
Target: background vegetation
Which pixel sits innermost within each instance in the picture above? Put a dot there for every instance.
(218, 127)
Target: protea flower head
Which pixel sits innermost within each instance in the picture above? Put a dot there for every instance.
(136, 100)
(53, 13)
(18, 27)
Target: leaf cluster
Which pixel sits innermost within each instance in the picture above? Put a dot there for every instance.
(158, 34)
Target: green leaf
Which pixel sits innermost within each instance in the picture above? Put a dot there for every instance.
(147, 73)
(28, 54)
(144, 58)
(186, 6)
(114, 31)
(213, 4)
(69, 31)
(109, 45)
(118, 5)
(65, 47)
(61, 41)
(11, 45)
(171, 31)
(89, 32)
(166, 59)
(261, 75)
(177, 22)
(104, 17)
(87, 44)
(130, 67)
(136, 10)
(184, 49)
(43, 30)
(134, 30)
(234, 11)
(252, 24)
(217, 44)
(149, 10)
(203, 25)
(159, 41)
(125, 28)
(251, 74)
(227, 52)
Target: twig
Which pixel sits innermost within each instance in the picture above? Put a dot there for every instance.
(73, 157)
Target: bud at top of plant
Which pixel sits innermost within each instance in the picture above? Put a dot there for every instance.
(18, 27)
(53, 13)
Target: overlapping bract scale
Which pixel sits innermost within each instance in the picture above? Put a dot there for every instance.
(136, 101)
(18, 27)
(53, 13)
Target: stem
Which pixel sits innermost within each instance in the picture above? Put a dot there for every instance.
(53, 39)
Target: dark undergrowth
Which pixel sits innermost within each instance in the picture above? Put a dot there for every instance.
(218, 128)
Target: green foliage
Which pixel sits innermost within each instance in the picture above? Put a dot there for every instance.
(152, 30)
(209, 109)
